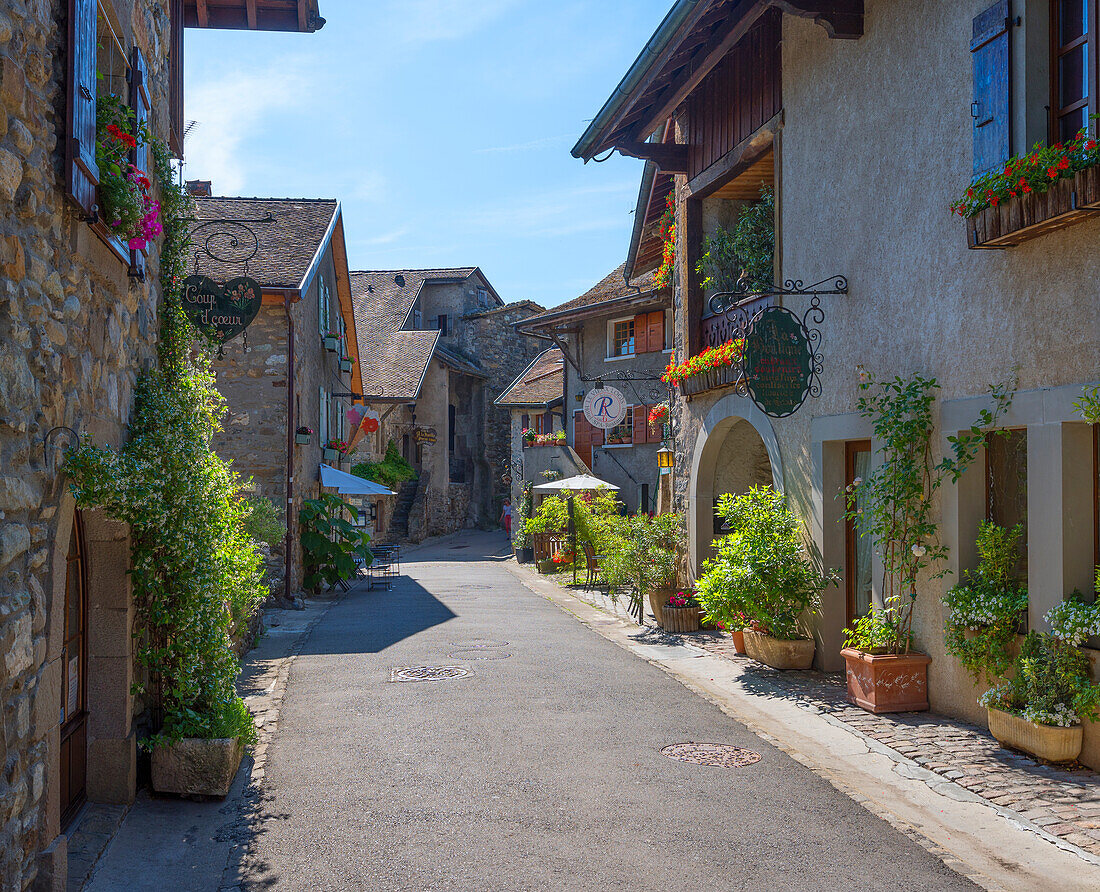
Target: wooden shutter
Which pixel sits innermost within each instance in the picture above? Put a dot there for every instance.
(524, 421)
(139, 155)
(176, 125)
(655, 331)
(81, 171)
(641, 343)
(990, 108)
(640, 424)
(582, 438)
(548, 422)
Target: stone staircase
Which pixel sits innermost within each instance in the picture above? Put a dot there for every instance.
(398, 530)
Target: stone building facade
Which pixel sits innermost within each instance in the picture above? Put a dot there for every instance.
(301, 264)
(617, 334)
(438, 346)
(865, 164)
(78, 324)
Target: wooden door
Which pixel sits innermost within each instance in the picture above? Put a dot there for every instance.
(74, 660)
(857, 464)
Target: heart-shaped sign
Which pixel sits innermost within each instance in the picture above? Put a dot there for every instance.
(222, 311)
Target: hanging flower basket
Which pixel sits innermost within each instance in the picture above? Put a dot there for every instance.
(303, 435)
(332, 341)
(345, 364)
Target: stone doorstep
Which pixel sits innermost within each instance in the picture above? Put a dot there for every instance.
(945, 753)
(88, 838)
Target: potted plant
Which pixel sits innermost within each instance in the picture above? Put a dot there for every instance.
(334, 448)
(681, 613)
(302, 436)
(984, 613)
(345, 363)
(331, 341)
(761, 571)
(525, 552)
(529, 436)
(1040, 709)
(638, 551)
(894, 506)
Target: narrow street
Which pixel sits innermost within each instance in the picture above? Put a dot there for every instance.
(542, 769)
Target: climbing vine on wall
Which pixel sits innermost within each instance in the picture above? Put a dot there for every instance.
(195, 570)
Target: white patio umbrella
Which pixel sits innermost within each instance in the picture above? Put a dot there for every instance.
(571, 485)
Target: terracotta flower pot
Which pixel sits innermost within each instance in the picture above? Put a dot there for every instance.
(887, 682)
(658, 598)
(1047, 742)
(680, 619)
(196, 767)
(738, 640)
(777, 653)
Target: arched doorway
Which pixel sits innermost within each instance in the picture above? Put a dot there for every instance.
(736, 450)
(74, 668)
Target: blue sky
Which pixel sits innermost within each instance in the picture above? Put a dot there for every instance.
(444, 127)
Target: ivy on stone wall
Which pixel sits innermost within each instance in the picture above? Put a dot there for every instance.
(195, 570)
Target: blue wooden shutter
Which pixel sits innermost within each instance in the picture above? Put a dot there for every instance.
(991, 106)
(139, 155)
(82, 173)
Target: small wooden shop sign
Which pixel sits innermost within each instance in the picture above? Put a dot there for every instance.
(424, 435)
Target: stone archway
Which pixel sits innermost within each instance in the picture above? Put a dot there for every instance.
(736, 449)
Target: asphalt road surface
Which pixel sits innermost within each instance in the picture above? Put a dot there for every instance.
(541, 769)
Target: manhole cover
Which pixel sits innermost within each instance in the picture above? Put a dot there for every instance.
(719, 755)
(427, 673)
(479, 642)
(478, 655)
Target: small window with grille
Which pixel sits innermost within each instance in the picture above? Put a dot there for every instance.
(622, 338)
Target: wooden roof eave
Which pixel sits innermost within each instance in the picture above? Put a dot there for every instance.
(253, 15)
(647, 97)
(571, 321)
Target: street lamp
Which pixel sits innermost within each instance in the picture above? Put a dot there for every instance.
(665, 458)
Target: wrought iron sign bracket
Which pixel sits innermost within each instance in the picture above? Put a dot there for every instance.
(631, 378)
(225, 245)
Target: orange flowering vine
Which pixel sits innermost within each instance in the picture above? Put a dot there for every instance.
(666, 228)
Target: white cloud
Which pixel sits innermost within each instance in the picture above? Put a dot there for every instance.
(558, 213)
(230, 106)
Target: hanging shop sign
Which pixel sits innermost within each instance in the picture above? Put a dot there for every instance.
(779, 362)
(605, 407)
(222, 311)
(360, 423)
(424, 435)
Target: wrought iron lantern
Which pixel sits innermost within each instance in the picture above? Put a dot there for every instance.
(665, 458)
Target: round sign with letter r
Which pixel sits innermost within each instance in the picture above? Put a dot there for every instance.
(605, 407)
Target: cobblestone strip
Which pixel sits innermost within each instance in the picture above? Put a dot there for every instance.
(264, 696)
(1061, 804)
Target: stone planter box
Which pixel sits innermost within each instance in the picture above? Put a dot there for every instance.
(195, 767)
(1028, 216)
(887, 682)
(779, 654)
(680, 619)
(1046, 742)
(712, 379)
(345, 365)
(331, 344)
(546, 566)
(331, 454)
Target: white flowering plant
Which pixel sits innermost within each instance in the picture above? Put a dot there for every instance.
(984, 611)
(1075, 620)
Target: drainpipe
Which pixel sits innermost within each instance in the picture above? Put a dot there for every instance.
(291, 425)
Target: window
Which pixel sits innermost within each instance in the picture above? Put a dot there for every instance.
(623, 433)
(857, 465)
(540, 425)
(622, 338)
(1072, 66)
(322, 416)
(1006, 485)
(322, 305)
(441, 323)
(483, 297)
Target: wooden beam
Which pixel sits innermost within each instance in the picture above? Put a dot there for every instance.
(747, 152)
(669, 157)
(303, 15)
(202, 13)
(250, 9)
(712, 53)
(841, 19)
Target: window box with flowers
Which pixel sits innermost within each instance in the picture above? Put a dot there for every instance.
(331, 340)
(302, 436)
(345, 363)
(713, 368)
(335, 449)
(681, 613)
(129, 215)
(1048, 189)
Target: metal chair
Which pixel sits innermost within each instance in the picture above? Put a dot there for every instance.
(592, 564)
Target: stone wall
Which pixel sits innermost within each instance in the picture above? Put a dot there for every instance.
(76, 333)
